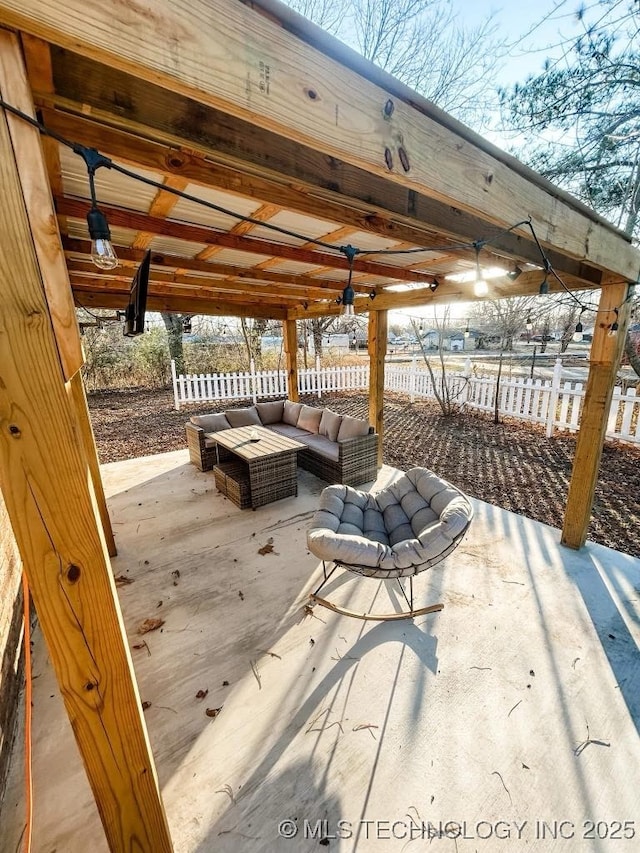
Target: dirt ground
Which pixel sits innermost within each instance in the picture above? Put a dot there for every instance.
(512, 465)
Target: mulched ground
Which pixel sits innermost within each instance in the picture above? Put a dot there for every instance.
(511, 465)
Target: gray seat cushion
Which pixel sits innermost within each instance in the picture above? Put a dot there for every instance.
(407, 526)
(289, 431)
(321, 445)
(211, 423)
(243, 417)
(270, 412)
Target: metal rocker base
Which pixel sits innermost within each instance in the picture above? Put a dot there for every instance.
(411, 613)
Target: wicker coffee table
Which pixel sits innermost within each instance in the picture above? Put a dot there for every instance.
(268, 466)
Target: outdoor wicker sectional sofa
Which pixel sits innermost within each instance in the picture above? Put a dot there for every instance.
(338, 448)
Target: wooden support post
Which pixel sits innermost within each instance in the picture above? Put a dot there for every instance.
(604, 362)
(46, 484)
(75, 387)
(377, 353)
(291, 350)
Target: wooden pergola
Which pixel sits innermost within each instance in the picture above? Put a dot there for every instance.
(249, 107)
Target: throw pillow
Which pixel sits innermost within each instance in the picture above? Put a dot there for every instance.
(352, 428)
(330, 424)
(211, 423)
(291, 412)
(309, 418)
(243, 417)
(271, 413)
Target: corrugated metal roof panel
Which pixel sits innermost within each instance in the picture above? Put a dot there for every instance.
(174, 246)
(111, 187)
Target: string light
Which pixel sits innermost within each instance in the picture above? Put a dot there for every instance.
(529, 323)
(348, 294)
(104, 256)
(577, 335)
(613, 329)
(467, 331)
(102, 252)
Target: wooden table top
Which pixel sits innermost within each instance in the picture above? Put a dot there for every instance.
(239, 441)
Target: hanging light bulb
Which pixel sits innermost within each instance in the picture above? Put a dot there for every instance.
(466, 331)
(186, 325)
(480, 287)
(420, 329)
(544, 287)
(613, 329)
(529, 323)
(102, 252)
(348, 296)
(577, 335)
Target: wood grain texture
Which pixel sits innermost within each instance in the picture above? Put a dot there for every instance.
(132, 257)
(290, 337)
(46, 484)
(35, 187)
(603, 368)
(202, 234)
(75, 388)
(378, 331)
(303, 180)
(226, 55)
(187, 304)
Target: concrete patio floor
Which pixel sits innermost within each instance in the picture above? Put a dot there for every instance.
(507, 719)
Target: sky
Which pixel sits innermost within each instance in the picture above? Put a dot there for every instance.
(524, 26)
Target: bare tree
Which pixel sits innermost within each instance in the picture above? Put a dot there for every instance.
(174, 324)
(508, 317)
(423, 43)
(445, 388)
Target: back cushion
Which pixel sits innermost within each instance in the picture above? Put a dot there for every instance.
(330, 424)
(211, 423)
(352, 428)
(291, 412)
(309, 418)
(243, 417)
(271, 413)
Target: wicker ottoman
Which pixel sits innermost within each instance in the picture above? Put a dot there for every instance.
(232, 480)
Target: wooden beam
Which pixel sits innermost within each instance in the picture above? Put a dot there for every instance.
(290, 337)
(35, 183)
(447, 293)
(202, 234)
(132, 257)
(161, 206)
(604, 362)
(227, 58)
(85, 284)
(45, 480)
(264, 212)
(378, 331)
(75, 388)
(182, 305)
(308, 182)
(238, 285)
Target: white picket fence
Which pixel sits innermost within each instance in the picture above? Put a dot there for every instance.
(550, 402)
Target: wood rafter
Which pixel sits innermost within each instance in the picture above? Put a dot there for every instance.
(183, 305)
(364, 201)
(78, 251)
(161, 207)
(201, 234)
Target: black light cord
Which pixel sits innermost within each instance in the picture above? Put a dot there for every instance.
(94, 160)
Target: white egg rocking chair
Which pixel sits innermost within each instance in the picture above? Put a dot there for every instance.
(408, 527)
